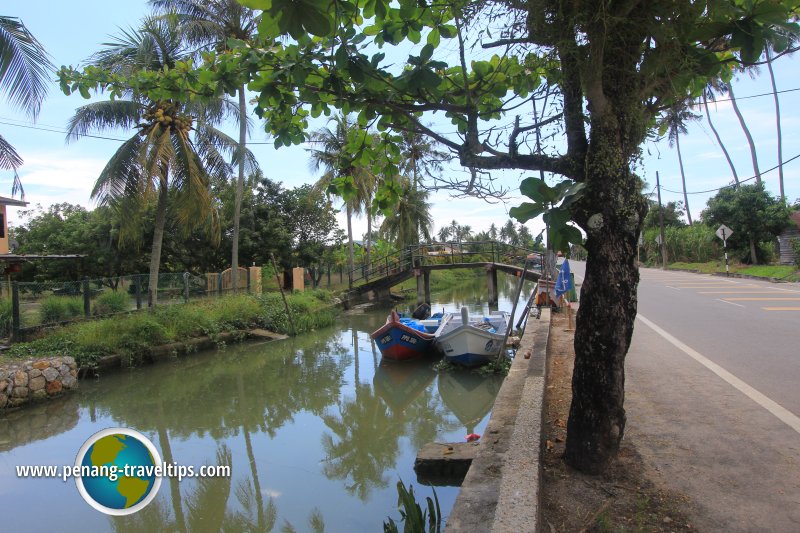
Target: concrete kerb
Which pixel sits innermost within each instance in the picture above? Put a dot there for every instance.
(501, 490)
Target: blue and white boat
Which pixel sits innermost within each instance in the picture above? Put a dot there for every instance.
(472, 341)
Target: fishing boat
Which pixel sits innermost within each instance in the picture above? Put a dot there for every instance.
(401, 339)
(472, 341)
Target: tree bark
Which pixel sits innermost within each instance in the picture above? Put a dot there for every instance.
(683, 178)
(753, 253)
(719, 141)
(158, 238)
(237, 206)
(746, 130)
(350, 258)
(777, 122)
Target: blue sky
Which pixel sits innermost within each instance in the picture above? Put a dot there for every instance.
(71, 31)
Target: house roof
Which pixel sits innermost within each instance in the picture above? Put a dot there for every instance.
(12, 201)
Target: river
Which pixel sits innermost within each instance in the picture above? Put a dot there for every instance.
(316, 429)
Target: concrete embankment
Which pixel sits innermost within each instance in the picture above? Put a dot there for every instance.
(501, 490)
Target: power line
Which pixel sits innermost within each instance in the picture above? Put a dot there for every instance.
(751, 178)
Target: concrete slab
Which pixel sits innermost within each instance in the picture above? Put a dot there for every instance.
(501, 490)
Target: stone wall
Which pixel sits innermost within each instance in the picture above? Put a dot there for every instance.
(21, 383)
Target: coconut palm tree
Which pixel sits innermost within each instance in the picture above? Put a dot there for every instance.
(209, 24)
(777, 121)
(708, 93)
(444, 233)
(410, 218)
(743, 124)
(332, 154)
(677, 117)
(160, 162)
(493, 232)
(24, 71)
(421, 156)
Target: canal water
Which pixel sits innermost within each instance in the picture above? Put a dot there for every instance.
(316, 429)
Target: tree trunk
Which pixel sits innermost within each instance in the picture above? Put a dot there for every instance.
(719, 141)
(777, 122)
(350, 246)
(603, 335)
(683, 178)
(746, 130)
(612, 216)
(753, 253)
(237, 205)
(158, 237)
(368, 250)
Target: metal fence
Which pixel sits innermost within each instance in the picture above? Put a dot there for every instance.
(38, 304)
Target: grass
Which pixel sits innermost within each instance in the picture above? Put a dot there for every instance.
(445, 279)
(784, 272)
(133, 334)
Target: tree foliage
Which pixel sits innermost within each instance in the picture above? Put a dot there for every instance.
(613, 72)
(751, 212)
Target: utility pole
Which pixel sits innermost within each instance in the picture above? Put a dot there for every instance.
(661, 223)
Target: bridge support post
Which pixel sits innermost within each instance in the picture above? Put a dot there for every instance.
(491, 282)
(426, 275)
(420, 286)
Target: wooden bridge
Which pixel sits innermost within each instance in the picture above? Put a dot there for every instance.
(376, 279)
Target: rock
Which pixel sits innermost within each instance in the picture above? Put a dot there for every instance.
(71, 363)
(37, 383)
(34, 373)
(69, 382)
(54, 387)
(16, 402)
(40, 394)
(3, 400)
(50, 373)
(3, 385)
(20, 392)
(73, 373)
(41, 365)
(64, 370)
(20, 379)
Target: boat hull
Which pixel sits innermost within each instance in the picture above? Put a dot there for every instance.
(398, 342)
(468, 345)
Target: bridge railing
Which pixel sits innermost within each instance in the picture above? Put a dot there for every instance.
(441, 253)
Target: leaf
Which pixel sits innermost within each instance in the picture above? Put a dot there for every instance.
(526, 211)
(317, 23)
(537, 190)
(434, 37)
(427, 52)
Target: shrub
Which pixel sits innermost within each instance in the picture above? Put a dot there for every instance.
(5, 317)
(795, 243)
(111, 302)
(60, 308)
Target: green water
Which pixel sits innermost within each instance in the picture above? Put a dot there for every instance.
(317, 430)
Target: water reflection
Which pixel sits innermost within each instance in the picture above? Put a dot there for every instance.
(38, 422)
(317, 431)
(468, 395)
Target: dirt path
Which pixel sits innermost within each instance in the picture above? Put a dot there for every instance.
(629, 497)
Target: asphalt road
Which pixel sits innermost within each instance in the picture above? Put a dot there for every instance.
(713, 396)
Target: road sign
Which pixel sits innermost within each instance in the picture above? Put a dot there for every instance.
(658, 239)
(723, 232)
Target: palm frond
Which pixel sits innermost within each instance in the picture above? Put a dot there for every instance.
(104, 116)
(9, 158)
(121, 174)
(25, 66)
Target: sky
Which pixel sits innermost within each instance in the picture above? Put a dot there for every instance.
(54, 171)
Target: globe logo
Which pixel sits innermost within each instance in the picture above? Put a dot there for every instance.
(120, 471)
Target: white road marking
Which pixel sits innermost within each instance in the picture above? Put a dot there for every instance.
(780, 412)
(671, 287)
(727, 302)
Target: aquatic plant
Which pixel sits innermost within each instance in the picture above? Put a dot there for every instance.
(414, 518)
